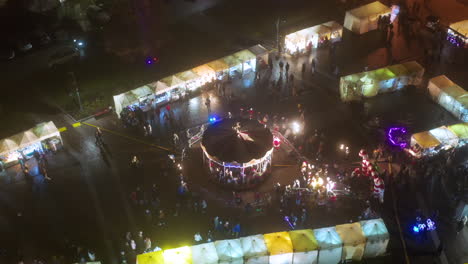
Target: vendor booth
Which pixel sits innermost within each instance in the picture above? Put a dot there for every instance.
(255, 249)
(261, 53)
(248, 60)
(382, 80)
(446, 137)
(229, 251)
(206, 73)
(204, 254)
(313, 37)
(192, 81)
(365, 18)
(377, 237)
(457, 34)
(450, 96)
(353, 239)
(43, 137)
(305, 246)
(461, 130)
(175, 87)
(234, 64)
(151, 258)
(280, 247)
(237, 152)
(330, 244)
(182, 255)
(220, 67)
(424, 143)
(141, 97)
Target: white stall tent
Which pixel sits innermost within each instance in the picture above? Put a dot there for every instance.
(205, 254)
(365, 18)
(445, 136)
(331, 246)
(354, 241)
(280, 247)
(27, 138)
(377, 237)
(229, 251)
(255, 249)
(450, 96)
(298, 41)
(46, 130)
(462, 28)
(305, 246)
(123, 100)
(8, 145)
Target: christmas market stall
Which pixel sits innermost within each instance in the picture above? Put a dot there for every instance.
(237, 152)
(206, 73)
(175, 87)
(382, 80)
(450, 96)
(230, 251)
(279, 247)
(305, 246)
(423, 143)
(261, 53)
(255, 249)
(330, 244)
(151, 258)
(377, 237)
(192, 81)
(141, 98)
(248, 60)
(353, 239)
(42, 137)
(457, 34)
(365, 18)
(204, 254)
(220, 67)
(182, 255)
(461, 130)
(313, 37)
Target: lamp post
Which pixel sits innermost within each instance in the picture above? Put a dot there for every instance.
(75, 86)
(278, 24)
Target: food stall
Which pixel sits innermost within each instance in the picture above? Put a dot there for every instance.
(182, 255)
(330, 244)
(353, 239)
(423, 143)
(248, 60)
(313, 37)
(161, 91)
(191, 80)
(305, 246)
(229, 251)
(234, 64)
(382, 80)
(261, 53)
(446, 137)
(461, 130)
(255, 249)
(377, 237)
(457, 33)
(43, 136)
(175, 87)
(151, 258)
(450, 96)
(280, 247)
(365, 18)
(123, 100)
(204, 254)
(220, 67)
(206, 73)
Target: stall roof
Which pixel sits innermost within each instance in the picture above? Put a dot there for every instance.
(351, 234)
(231, 61)
(203, 70)
(461, 27)
(333, 25)
(187, 75)
(374, 228)
(413, 66)
(258, 50)
(444, 135)
(426, 140)
(278, 243)
(172, 81)
(454, 91)
(229, 249)
(204, 254)
(7, 145)
(45, 130)
(461, 130)
(244, 55)
(382, 74)
(142, 91)
(159, 87)
(303, 240)
(370, 9)
(254, 246)
(398, 69)
(218, 65)
(327, 238)
(27, 138)
(442, 81)
(151, 258)
(182, 255)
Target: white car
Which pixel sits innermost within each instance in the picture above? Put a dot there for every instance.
(63, 56)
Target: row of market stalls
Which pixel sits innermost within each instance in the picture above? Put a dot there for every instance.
(44, 136)
(365, 18)
(450, 96)
(430, 142)
(313, 37)
(383, 80)
(331, 245)
(457, 33)
(174, 87)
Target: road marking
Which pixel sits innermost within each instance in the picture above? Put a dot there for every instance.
(62, 129)
(77, 124)
(128, 137)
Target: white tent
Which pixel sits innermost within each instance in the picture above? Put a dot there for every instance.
(8, 145)
(123, 100)
(229, 251)
(27, 138)
(445, 136)
(205, 254)
(46, 130)
(450, 96)
(305, 246)
(255, 249)
(331, 246)
(298, 41)
(462, 28)
(364, 18)
(280, 247)
(353, 239)
(377, 237)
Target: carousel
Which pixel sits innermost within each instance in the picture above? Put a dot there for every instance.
(237, 152)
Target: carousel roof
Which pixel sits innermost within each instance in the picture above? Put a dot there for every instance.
(237, 140)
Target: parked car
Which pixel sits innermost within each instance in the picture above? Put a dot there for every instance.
(63, 56)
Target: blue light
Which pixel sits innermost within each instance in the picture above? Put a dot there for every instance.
(80, 43)
(212, 119)
(415, 229)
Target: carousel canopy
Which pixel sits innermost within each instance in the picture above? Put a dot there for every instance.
(204, 254)
(237, 140)
(229, 249)
(151, 258)
(254, 246)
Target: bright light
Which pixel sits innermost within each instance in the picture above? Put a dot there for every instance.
(342, 146)
(415, 229)
(80, 43)
(212, 119)
(296, 127)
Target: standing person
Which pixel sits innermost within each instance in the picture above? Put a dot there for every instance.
(236, 230)
(203, 206)
(461, 224)
(313, 66)
(287, 69)
(176, 140)
(281, 64)
(197, 238)
(98, 136)
(21, 161)
(303, 70)
(208, 104)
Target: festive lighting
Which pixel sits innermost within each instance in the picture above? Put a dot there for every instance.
(395, 135)
(415, 229)
(212, 119)
(296, 127)
(276, 142)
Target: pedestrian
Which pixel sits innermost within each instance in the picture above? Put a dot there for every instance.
(312, 69)
(281, 64)
(204, 206)
(216, 222)
(226, 228)
(287, 68)
(197, 238)
(209, 236)
(176, 140)
(461, 224)
(135, 162)
(149, 129)
(161, 218)
(236, 230)
(303, 68)
(303, 217)
(98, 135)
(208, 104)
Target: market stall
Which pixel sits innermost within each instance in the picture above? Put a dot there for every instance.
(365, 18)
(237, 152)
(280, 247)
(220, 67)
(305, 246)
(457, 33)
(330, 245)
(204, 254)
(229, 251)
(261, 53)
(182, 255)
(423, 143)
(248, 60)
(377, 237)
(450, 96)
(44, 136)
(354, 241)
(161, 91)
(192, 81)
(461, 130)
(313, 37)
(234, 64)
(175, 87)
(151, 258)
(255, 249)
(206, 73)
(446, 137)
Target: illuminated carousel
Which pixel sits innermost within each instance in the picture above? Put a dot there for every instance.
(237, 152)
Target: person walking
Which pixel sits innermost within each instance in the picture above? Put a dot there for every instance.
(313, 66)
(303, 70)
(281, 64)
(197, 238)
(236, 230)
(208, 104)
(203, 206)
(98, 136)
(287, 69)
